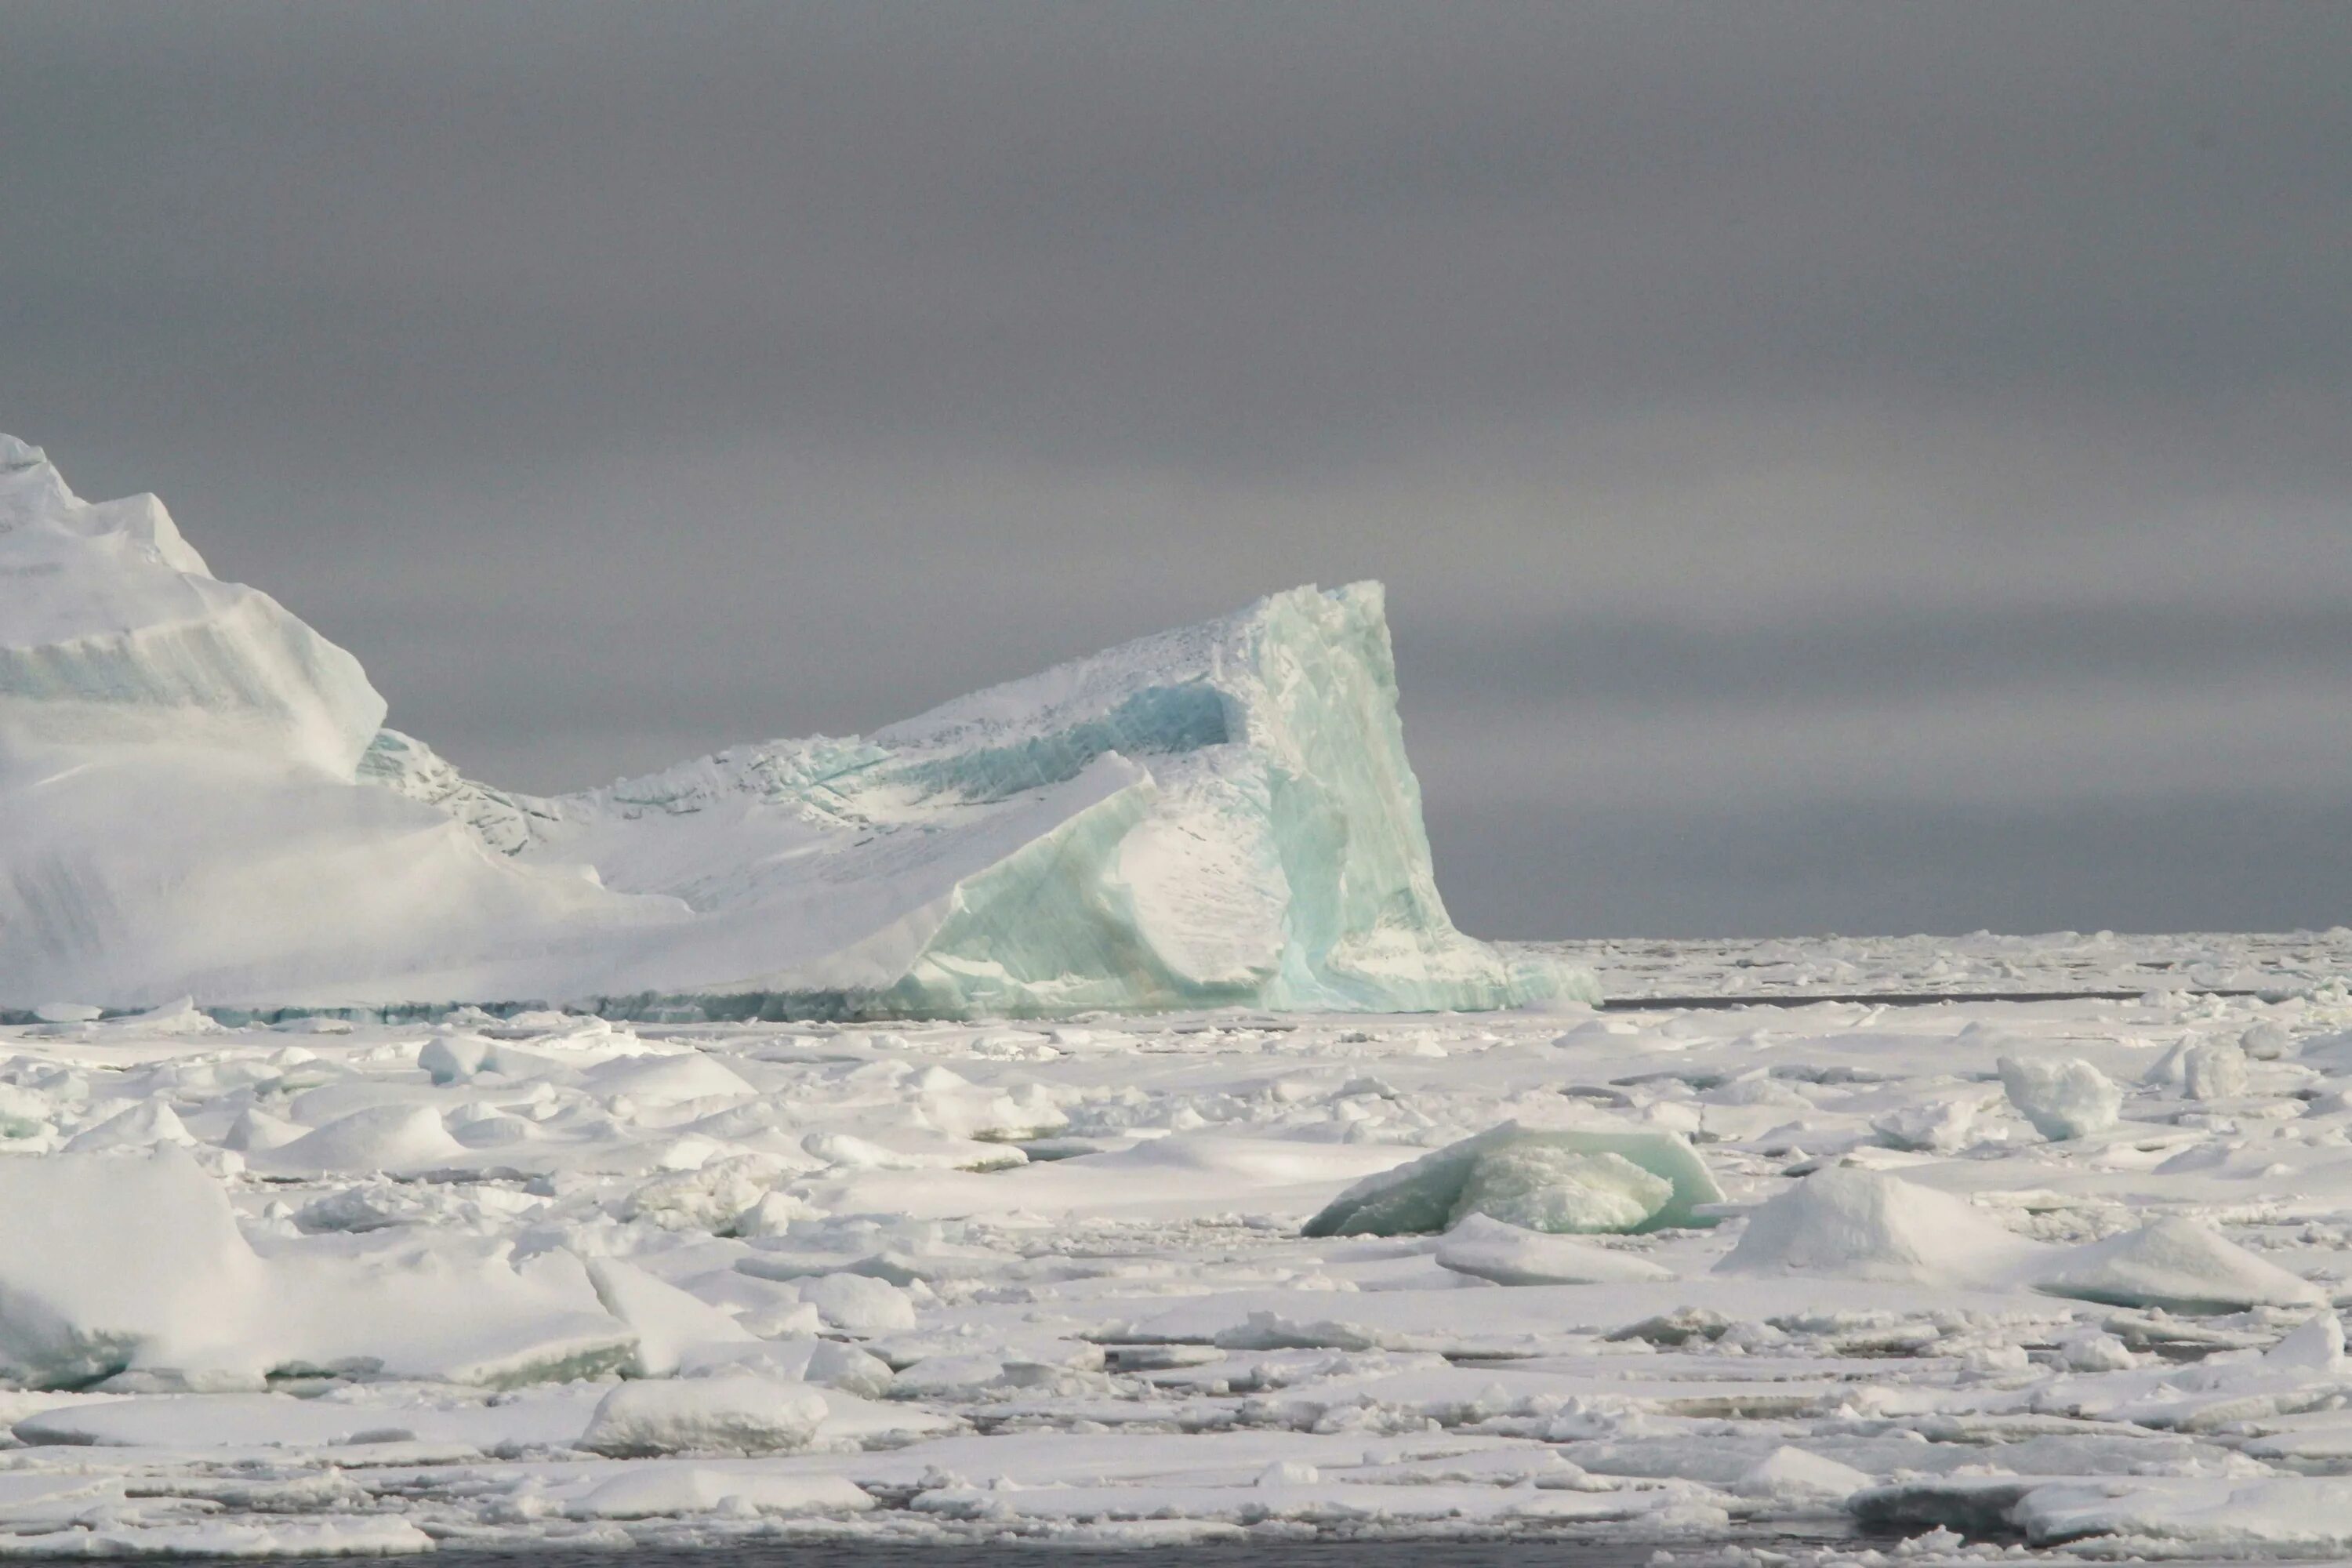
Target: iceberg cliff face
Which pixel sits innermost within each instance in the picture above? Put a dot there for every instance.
(198, 798)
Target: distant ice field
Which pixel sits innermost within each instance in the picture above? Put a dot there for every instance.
(1276, 1548)
(1779, 968)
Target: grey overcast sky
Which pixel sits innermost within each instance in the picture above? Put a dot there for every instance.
(1836, 467)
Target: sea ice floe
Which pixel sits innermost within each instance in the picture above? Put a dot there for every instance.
(1940, 1125)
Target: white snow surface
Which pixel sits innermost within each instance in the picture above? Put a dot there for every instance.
(197, 798)
(921, 1281)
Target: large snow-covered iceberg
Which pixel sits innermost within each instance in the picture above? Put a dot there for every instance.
(198, 796)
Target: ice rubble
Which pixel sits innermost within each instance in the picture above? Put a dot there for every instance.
(199, 797)
(133, 1265)
(1119, 1333)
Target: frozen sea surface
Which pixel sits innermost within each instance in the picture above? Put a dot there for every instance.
(2057, 1277)
(1276, 1550)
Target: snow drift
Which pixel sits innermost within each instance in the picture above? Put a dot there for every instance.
(197, 797)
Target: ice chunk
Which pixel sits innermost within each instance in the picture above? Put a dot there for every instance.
(713, 1197)
(662, 1080)
(142, 1126)
(2316, 1345)
(667, 1322)
(1939, 1126)
(847, 1368)
(2177, 1264)
(1489, 1248)
(110, 1262)
(799, 1358)
(2090, 1350)
(1426, 1195)
(255, 1131)
(2064, 1097)
(67, 1013)
(2213, 1070)
(855, 1304)
(704, 1415)
(2264, 1042)
(380, 1138)
(1561, 1189)
(453, 1057)
(1854, 1224)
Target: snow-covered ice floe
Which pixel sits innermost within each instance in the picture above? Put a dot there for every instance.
(198, 798)
(555, 1280)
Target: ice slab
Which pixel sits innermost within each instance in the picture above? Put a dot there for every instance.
(1489, 1248)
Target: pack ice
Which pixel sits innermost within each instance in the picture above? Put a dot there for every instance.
(1652, 1277)
(198, 798)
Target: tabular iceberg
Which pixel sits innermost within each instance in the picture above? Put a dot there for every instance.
(197, 797)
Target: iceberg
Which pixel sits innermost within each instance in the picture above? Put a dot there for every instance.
(198, 797)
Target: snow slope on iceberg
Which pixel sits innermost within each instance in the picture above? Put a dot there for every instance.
(196, 797)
